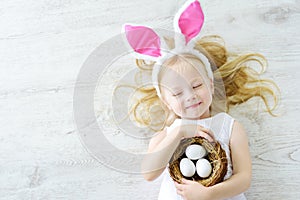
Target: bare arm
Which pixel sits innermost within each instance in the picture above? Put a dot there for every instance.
(160, 150)
(241, 162)
(163, 145)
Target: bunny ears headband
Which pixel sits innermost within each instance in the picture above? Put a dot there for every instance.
(147, 44)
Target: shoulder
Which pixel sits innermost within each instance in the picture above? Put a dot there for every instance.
(238, 135)
(237, 127)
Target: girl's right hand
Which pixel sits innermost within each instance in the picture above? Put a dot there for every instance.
(192, 130)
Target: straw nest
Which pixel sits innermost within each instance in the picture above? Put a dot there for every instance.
(216, 156)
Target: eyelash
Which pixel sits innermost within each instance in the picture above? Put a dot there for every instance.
(199, 85)
(174, 95)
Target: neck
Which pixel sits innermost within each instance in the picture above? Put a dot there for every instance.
(206, 114)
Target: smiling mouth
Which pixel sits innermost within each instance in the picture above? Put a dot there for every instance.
(194, 105)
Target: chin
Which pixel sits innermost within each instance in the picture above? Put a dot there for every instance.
(192, 117)
(197, 116)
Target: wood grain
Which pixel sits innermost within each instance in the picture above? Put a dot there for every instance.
(43, 45)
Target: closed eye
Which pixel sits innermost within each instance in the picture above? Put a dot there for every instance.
(196, 86)
(177, 94)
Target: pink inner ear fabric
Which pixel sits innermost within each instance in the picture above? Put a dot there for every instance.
(143, 40)
(191, 21)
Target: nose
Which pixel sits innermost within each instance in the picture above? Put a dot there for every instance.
(191, 96)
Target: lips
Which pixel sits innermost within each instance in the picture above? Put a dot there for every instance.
(194, 105)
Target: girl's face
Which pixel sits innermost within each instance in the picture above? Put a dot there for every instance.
(187, 90)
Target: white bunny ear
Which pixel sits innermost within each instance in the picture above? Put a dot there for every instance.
(144, 41)
(189, 20)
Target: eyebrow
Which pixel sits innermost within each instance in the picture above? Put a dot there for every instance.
(196, 79)
(176, 88)
(192, 81)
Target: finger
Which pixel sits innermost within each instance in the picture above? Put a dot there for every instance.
(211, 134)
(179, 192)
(207, 132)
(179, 186)
(185, 181)
(205, 135)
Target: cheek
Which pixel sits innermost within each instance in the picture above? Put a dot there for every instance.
(170, 102)
(206, 93)
(176, 104)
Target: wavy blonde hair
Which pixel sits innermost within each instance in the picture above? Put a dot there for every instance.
(235, 80)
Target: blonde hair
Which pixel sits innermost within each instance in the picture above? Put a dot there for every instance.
(235, 80)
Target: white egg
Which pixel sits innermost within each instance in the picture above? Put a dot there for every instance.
(187, 167)
(195, 152)
(203, 168)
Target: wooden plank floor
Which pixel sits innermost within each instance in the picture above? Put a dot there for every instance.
(43, 45)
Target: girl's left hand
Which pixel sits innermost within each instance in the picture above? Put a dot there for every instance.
(192, 190)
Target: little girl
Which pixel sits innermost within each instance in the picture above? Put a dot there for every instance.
(195, 84)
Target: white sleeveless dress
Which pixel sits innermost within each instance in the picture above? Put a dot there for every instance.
(221, 125)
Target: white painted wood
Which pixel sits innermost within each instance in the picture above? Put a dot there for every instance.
(43, 45)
